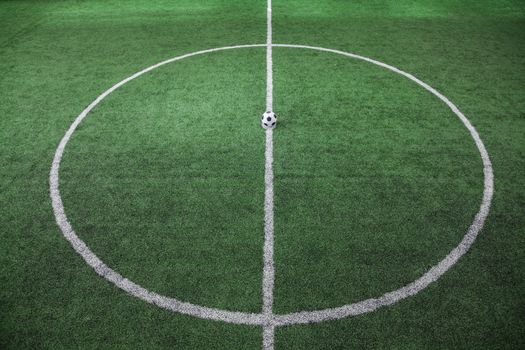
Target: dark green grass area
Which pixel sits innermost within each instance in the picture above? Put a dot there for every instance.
(375, 179)
(55, 58)
(473, 52)
(163, 180)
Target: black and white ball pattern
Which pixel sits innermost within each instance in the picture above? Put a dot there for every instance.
(269, 120)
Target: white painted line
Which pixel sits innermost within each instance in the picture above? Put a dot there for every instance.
(261, 319)
(269, 60)
(268, 336)
(268, 268)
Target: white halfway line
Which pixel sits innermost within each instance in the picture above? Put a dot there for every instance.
(268, 268)
(269, 62)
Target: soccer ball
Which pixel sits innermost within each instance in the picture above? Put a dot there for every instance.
(269, 120)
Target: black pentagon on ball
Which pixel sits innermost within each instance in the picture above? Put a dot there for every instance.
(273, 123)
(265, 124)
(269, 118)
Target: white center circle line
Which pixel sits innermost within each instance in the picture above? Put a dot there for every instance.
(353, 309)
(437, 270)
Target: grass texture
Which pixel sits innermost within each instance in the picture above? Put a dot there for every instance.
(375, 179)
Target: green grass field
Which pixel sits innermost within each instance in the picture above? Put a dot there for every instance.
(376, 180)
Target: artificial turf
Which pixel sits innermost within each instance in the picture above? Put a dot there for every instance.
(375, 179)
